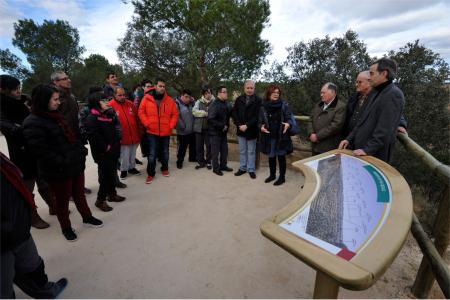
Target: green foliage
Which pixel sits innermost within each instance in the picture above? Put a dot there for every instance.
(191, 43)
(53, 42)
(13, 64)
(312, 64)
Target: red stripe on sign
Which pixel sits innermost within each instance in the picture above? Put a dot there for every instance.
(345, 254)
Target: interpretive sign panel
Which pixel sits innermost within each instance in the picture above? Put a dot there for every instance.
(349, 221)
(352, 202)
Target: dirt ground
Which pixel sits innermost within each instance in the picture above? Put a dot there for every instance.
(192, 235)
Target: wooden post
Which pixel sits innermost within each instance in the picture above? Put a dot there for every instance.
(325, 287)
(425, 277)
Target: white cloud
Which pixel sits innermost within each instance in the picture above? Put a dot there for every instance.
(383, 25)
(8, 15)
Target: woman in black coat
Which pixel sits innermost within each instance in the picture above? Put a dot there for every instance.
(103, 133)
(12, 114)
(60, 156)
(275, 119)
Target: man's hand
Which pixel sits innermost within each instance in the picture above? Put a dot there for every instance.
(243, 128)
(402, 130)
(359, 152)
(343, 144)
(263, 129)
(313, 137)
(225, 128)
(286, 126)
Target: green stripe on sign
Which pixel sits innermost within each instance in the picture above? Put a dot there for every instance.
(382, 185)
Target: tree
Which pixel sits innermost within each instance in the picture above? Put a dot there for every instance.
(338, 60)
(196, 42)
(55, 43)
(12, 64)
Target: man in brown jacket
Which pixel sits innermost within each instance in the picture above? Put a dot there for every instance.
(328, 119)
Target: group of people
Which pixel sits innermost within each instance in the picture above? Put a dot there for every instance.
(47, 136)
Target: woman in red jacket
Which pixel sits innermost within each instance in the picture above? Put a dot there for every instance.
(131, 133)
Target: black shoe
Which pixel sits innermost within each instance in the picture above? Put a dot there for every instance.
(179, 164)
(134, 171)
(121, 185)
(200, 166)
(218, 172)
(87, 191)
(123, 175)
(279, 181)
(270, 178)
(226, 169)
(70, 235)
(137, 161)
(239, 172)
(209, 166)
(252, 175)
(92, 222)
(50, 290)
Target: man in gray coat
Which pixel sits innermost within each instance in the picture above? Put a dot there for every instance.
(375, 132)
(185, 124)
(328, 118)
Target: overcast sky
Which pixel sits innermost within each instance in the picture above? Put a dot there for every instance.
(382, 24)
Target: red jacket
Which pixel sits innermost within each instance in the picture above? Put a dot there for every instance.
(160, 121)
(128, 117)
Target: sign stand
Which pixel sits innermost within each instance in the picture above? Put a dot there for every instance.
(349, 221)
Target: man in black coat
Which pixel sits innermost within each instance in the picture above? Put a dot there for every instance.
(218, 124)
(245, 116)
(20, 261)
(375, 132)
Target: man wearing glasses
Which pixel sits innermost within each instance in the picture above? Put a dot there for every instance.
(69, 106)
(218, 124)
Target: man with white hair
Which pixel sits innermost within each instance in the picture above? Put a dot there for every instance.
(245, 116)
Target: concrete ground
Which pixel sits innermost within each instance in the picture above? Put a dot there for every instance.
(192, 235)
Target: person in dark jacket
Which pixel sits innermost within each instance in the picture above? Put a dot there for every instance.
(69, 107)
(218, 125)
(357, 102)
(375, 132)
(13, 112)
(245, 116)
(20, 260)
(185, 126)
(328, 118)
(275, 121)
(60, 156)
(103, 132)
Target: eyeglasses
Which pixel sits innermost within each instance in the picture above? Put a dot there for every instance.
(61, 79)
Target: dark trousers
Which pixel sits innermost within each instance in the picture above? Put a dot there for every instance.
(63, 189)
(185, 141)
(281, 163)
(21, 261)
(202, 139)
(107, 173)
(158, 148)
(219, 146)
(144, 145)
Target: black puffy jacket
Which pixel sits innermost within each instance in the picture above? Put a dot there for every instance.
(57, 159)
(104, 134)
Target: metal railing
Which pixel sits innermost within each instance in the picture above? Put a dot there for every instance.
(433, 265)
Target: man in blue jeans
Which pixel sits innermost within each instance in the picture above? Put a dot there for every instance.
(245, 116)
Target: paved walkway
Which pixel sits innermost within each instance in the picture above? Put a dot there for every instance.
(192, 235)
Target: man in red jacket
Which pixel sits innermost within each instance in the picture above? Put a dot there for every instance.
(158, 113)
(127, 114)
